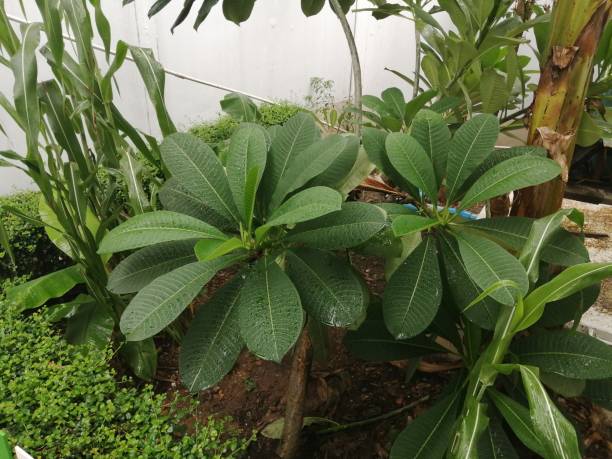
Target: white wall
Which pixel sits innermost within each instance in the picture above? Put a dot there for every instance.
(273, 55)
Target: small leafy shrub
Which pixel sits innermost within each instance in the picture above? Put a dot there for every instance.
(221, 130)
(33, 250)
(275, 213)
(58, 400)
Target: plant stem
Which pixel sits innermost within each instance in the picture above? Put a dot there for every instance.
(295, 396)
(365, 422)
(350, 39)
(417, 61)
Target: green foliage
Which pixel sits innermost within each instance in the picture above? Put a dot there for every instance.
(57, 400)
(278, 200)
(30, 244)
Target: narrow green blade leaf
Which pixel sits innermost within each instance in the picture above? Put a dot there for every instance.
(37, 292)
(510, 175)
(306, 205)
(269, 311)
(472, 142)
(471, 427)
(410, 160)
(25, 72)
(487, 263)
(570, 281)
(142, 267)
(565, 352)
(430, 434)
(373, 342)
(199, 171)
(518, 418)
(556, 433)
(209, 249)
(329, 288)
(154, 228)
(408, 224)
(158, 304)
(213, 342)
(246, 161)
(204, 11)
(414, 292)
(154, 78)
(494, 443)
(353, 225)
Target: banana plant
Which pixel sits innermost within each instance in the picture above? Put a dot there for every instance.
(83, 156)
(274, 215)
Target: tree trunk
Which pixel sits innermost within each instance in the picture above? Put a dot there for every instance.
(576, 28)
(295, 395)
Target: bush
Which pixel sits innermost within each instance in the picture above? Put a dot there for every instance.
(58, 400)
(33, 250)
(218, 131)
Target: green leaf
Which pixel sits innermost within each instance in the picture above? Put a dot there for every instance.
(91, 324)
(205, 9)
(430, 434)
(541, 232)
(154, 228)
(493, 91)
(103, 26)
(599, 392)
(407, 224)
(431, 131)
(472, 142)
(494, 443)
(132, 174)
(293, 138)
(240, 107)
(351, 226)
(414, 292)
(5, 242)
(158, 304)
(176, 199)
(510, 175)
(37, 292)
(410, 160)
(213, 342)
(141, 356)
(557, 313)
(237, 11)
(567, 387)
(246, 161)
(373, 342)
(312, 7)
(518, 418)
(570, 281)
(209, 249)
(308, 164)
(556, 433)
(199, 171)
(269, 311)
(394, 102)
(564, 248)
(142, 267)
(25, 72)
(463, 288)
(340, 168)
(588, 132)
(154, 78)
(487, 263)
(306, 205)
(471, 427)
(565, 352)
(60, 311)
(330, 290)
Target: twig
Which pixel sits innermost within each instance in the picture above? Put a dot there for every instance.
(365, 422)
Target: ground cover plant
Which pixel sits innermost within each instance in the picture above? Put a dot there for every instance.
(82, 155)
(479, 284)
(58, 400)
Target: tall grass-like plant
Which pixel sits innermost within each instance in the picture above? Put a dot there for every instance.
(81, 153)
(490, 288)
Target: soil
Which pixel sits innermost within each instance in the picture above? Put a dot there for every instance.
(345, 389)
